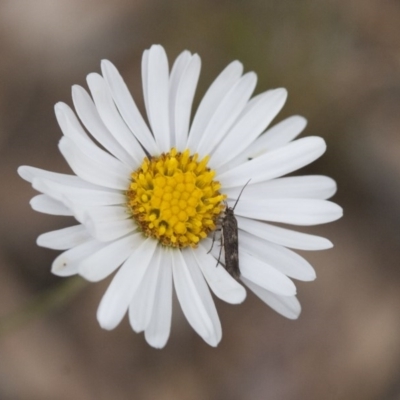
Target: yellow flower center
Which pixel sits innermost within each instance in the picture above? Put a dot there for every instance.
(174, 198)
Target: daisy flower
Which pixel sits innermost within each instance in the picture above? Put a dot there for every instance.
(149, 196)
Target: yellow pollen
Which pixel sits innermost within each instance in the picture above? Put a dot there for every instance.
(175, 199)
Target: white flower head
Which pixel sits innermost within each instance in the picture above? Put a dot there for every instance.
(150, 197)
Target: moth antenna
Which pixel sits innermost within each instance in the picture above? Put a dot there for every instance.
(233, 209)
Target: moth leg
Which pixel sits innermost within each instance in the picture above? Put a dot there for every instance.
(220, 251)
(212, 244)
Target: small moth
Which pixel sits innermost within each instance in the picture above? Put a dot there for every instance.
(230, 239)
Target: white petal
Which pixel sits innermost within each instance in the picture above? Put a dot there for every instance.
(69, 124)
(219, 280)
(78, 195)
(106, 231)
(91, 119)
(257, 115)
(290, 211)
(67, 263)
(45, 204)
(158, 330)
(226, 113)
(112, 119)
(63, 239)
(211, 100)
(194, 298)
(112, 174)
(30, 173)
(73, 130)
(177, 71)
(142, 304)
(127, 107)
(205, 294)
(288, 306)
(99, 214)
(119, 294)
(265, 275)
(183, 100)
(109, 213)
(275, 163)
(284, 260)
(95, 198)
(157, 96)
(282, 236)
(311, 186)
(105, 261)
(92, 151)
(277, 136)
(145, 81)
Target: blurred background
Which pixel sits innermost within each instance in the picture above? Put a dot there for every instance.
(340, 61)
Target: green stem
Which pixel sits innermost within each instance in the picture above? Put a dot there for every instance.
(47, 301)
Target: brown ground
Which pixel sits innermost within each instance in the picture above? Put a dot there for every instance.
(340, 61)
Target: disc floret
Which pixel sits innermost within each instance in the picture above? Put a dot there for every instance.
(175, 199)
